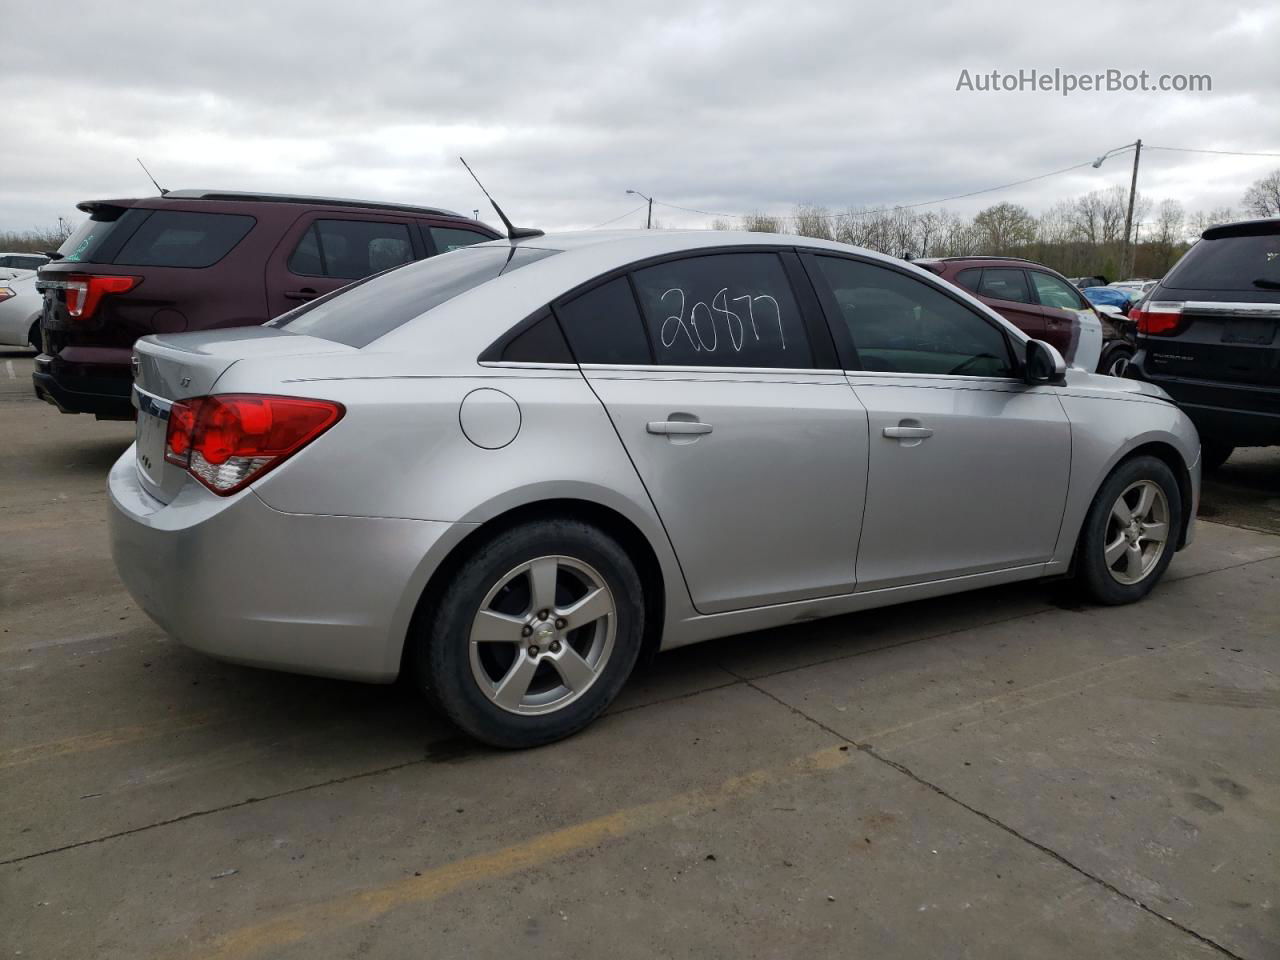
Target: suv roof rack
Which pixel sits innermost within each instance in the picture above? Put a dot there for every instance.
(294, 198)
(978, 256)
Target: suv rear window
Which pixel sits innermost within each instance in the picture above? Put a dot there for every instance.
(362, 312)
(172, 238)
(1229, 263)
(101, 233)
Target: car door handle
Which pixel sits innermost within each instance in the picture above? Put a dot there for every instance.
(306, 293)
(684, 428)
(908, 433)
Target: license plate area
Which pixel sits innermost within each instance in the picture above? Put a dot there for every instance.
(1255, 332)
(151, 434)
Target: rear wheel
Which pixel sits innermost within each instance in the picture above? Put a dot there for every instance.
(1131, 532)
(1115, 360)
(1213, 455)
(535, 634)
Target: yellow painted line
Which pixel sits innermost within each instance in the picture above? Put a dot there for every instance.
(99, 740)
(322, 917)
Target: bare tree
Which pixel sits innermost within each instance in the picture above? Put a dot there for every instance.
(721, 223)
(1004, 228)
(762, 223)
(1262, 199)
(813, 221)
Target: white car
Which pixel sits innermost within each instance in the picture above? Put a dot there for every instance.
(1136, 286)
(20, 307)
(14, 265)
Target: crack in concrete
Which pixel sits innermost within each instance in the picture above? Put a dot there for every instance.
(906, 771)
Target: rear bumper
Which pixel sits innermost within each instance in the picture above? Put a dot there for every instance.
(75, 389)
(1237, 414)
(237, 580)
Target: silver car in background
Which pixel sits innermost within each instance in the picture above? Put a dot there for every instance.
(514, 469)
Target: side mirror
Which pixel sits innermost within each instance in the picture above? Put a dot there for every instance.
(1044, 364)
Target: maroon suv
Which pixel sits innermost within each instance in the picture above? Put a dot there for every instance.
(196, 259)
(1040, 302)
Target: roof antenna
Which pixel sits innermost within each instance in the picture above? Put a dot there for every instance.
(162, 190)
(513, 233)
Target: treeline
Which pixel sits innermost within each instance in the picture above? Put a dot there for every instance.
(1079, 237)
(32, 241)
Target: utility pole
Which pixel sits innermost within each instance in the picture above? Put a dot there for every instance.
(648, 224)
(1129, 250)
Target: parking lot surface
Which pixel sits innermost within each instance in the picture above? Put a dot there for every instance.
(999, 774)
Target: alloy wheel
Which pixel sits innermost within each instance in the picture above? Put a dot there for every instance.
(1137, 532)
(1119, 365)
(543, 635)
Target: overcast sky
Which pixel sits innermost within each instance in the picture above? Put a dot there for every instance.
(560, 108)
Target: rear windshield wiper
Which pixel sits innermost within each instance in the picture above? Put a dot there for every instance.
(1267, 284)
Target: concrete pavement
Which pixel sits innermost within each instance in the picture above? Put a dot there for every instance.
(1000, 774)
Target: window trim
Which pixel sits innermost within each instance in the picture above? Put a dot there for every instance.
(844, 339)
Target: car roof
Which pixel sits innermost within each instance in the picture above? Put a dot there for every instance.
(258, 197)
(1243, 228)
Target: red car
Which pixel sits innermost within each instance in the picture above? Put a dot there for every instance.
(195, 260)
(1041, 302)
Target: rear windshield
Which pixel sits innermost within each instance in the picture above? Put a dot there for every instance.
(92, 236)
(173, 238)
(362, 312)
(1229, 263)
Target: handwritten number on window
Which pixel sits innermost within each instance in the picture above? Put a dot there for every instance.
(701, 328)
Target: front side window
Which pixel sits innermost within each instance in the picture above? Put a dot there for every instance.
(731, 309)
(900, 324)
(1053, 292)
(351, 249)
(451, 238)
(172, 238)
(1003, 283)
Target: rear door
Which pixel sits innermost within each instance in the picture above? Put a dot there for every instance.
(968, 465)
(1006, 291)
(325, 250)
(1070, 323)
(720, 379)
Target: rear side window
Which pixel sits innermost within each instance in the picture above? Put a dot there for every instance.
(970, 279)
(450, 238)
(1002, 283)
(351, 249)
(732, 309)
(1229, 263)
(604, 326)
(23, 263)
(362, 312)
(171, 238)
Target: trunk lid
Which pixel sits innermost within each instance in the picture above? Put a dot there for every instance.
(177, 367)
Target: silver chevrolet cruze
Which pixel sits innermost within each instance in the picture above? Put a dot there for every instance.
(513, 469)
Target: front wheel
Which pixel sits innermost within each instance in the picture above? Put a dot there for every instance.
(1131, 532)
(535, 634)
(1115, 360)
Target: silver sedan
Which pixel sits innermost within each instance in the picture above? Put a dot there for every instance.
(513, 470)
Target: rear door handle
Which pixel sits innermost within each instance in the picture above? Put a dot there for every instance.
(908, 433)
(678, 427)
(306, 293)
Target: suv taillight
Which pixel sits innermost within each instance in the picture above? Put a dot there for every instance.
(84, 291)
(1158, 318)
(228, 441)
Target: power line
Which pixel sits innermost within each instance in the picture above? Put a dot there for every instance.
(972, 193)
(1225, 153)
(617, 218)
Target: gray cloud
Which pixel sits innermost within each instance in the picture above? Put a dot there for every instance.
(561, 107)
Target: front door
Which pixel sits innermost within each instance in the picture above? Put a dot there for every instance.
(754, 459)
(968, 466)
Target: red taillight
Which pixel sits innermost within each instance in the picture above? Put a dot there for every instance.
(228, 441)
(1159, 318)
(84, 290)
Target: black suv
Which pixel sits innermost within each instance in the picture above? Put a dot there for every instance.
(1207, 334)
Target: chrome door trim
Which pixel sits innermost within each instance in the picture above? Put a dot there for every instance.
(1223, 309)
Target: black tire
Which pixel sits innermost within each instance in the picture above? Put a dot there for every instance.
(33, 338)
(442, 664)
(1092, 570)
(1117, 354)
(1214, 454)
